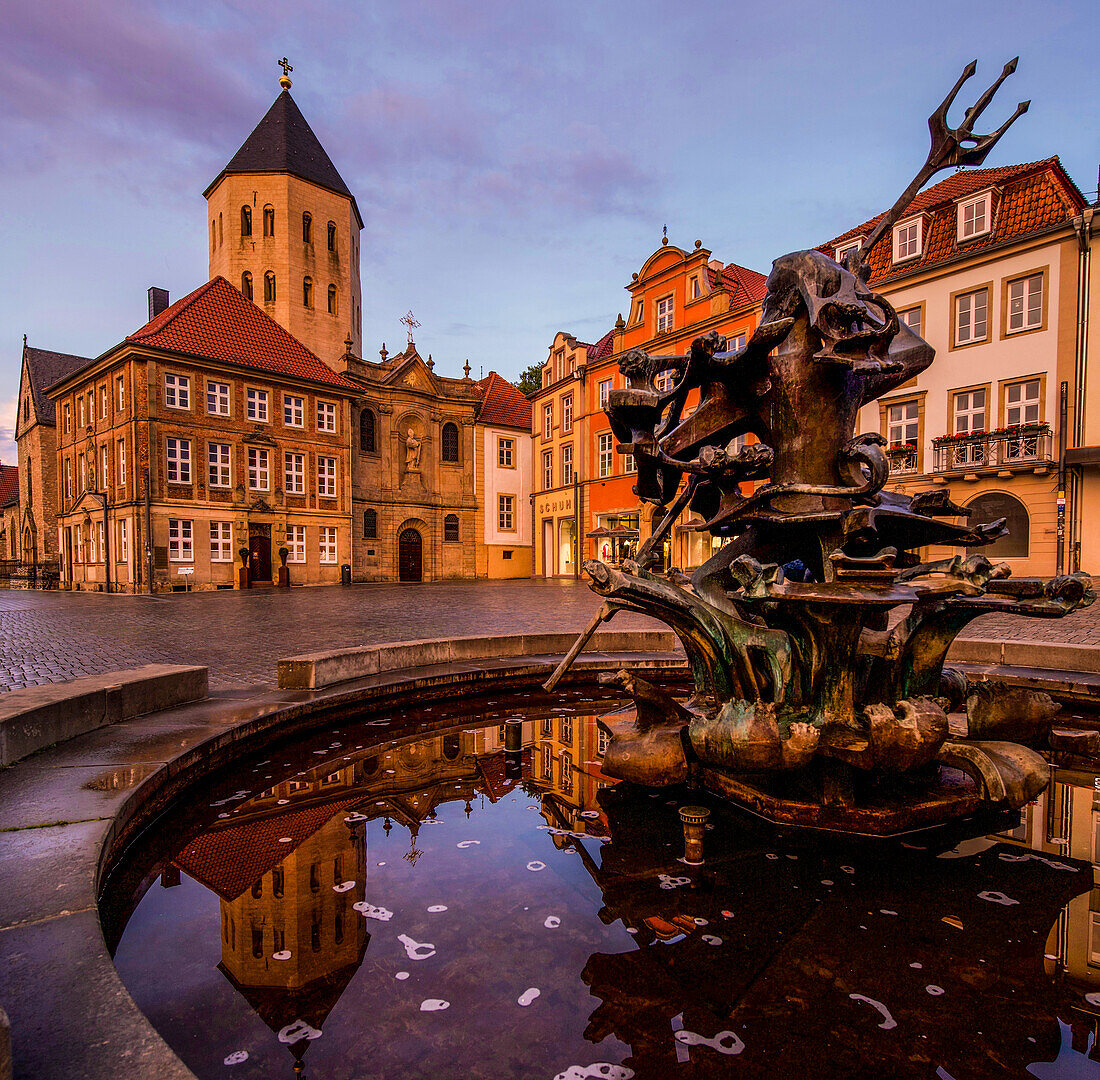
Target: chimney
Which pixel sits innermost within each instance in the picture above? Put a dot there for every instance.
(158, 301)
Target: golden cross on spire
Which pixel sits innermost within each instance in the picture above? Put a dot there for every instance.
(284, 80)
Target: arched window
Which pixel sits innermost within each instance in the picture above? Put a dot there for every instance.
(370, 524)
(366, 431)
(246, 285)
(449, 442)
(246, 221)
(269, 287)
(452, 747)
(332, 299)
(307, 292)
(307, 228)
(269, 220)
(999, 504)
(450, 529)
(332, 236)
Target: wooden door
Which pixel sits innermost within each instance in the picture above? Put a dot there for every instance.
(410, 556)
(259, 562)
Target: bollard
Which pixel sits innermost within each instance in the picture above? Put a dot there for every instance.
(694, 819)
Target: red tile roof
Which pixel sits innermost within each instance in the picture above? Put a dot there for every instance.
(502, 403)
(744, 285)
(1027, 198)
(218, 322)
(9, 485)
(603, 348)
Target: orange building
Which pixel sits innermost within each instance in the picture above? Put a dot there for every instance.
(675, 297)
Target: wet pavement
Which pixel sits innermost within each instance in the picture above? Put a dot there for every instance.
(57, 636)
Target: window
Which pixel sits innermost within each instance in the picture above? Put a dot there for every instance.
(567, 464)
(999, 504)
(566, 785)
(103, 399)
(1025, 303)
(326, 417)
(269, 220)
(99, 552)
(221, 541)
(179, 540)
(68, 421)
(81, 410)
(257, 405)
(734, 343)
(78, 544)
(217, 398)
(907, 240)
(567, 413)
(258, 474)
(843, 251)
(246, 221)
(639, 310)
(664, 315)
(121, 462)
(179, 461)
(605, 392)
(547, 470)
(213, 235)
(547, 420)
(449, 440)
(293, 411)
(68, 478)
(307, 292)
(506, 509)
(83, 474)
(602, 741)
(974, 216)
(1022, 403)
(903, 424)
(177, 391)
(307, 228)
(969, 410)
(217, 457)
(605, 455)
(332, 299)
(506, 451)
(547, 764)
(326, 477)
(121, 388)
(366, 431)
(269, 287)
(565, 730)
(246, 285)
(628, 463)
(450, 529)
(328, 543)
(971, 317)
(693, 287)
(370, 524)
(332, 236)
(296, 543)
(103, 466)
(912, 319)
(123, 553)
(295, 474)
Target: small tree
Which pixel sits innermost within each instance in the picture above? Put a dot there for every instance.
(530, 379)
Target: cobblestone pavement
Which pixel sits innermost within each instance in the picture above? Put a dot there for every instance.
(55, 636)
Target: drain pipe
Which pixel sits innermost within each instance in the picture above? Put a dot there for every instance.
(148, 532)
(1082, 227)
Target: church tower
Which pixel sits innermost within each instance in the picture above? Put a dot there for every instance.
(284, 229)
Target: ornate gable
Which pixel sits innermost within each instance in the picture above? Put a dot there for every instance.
(414, 374)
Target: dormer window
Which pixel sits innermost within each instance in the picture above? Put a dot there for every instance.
(639, 307)
(664, 315)
(843, 249)
(975, 216)
(908, 240)
(693, 287)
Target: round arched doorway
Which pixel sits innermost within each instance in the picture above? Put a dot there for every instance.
(410, 556)
(999, 504)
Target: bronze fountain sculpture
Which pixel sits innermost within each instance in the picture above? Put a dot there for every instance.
(810, 706)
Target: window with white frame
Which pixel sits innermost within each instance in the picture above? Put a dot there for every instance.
(693, 287)
(99, 551)
(567, 464)
(327, 543)
(664, 314)
(506, 513)
(257, 405)
(605, 392)
(121, 461)
(603, 740)
(628, 463)
(103, 400)
(123, 554)
(548, 420)
(121, 387)
(78, 544)
(68, 478)
(293, 411)
(326, 477)
(974, 216)
(1025, 303)
(178, 469)
(506, 453)
(221, 541)
(663, 382)
(259, 476)
(295, 480)
(567, 413)
(217, 398)
(735, 342)
(217, 458)
(547, 470)
(969, 412)
(911, 318)
(177, 391)
(639, 311)
(843, 250)
(103, 455)
(296, 543)
(83, 470)
(179, 540)
(971, 317)
(605, 453)
(80, 410)
(68, 421)
(903, 425)
(326, 416)
(1022, 403)
(907, 240)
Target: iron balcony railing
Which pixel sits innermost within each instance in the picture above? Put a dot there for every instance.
(903, 458)
(1006, 448)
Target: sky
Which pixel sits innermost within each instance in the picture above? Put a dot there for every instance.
(514, 162)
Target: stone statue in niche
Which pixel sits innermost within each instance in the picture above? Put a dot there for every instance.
(412, 452)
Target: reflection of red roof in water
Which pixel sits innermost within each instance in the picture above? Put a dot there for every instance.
(231, 858)
(492, 766)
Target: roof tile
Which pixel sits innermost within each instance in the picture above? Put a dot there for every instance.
(9, 486)
(45, 369)
(502, 403)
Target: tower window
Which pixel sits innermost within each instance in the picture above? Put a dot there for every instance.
(307, 228)
(449, 440)
(213, 236)
(246, 221)
(220, 233)
(370, 524)
(307, 292)
(450, 529)
(269, 220)
(332, 236)
(269, 287)
(366, 431)
(246, 285)
(332, 299)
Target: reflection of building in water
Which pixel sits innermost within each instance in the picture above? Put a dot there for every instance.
(568, 766)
